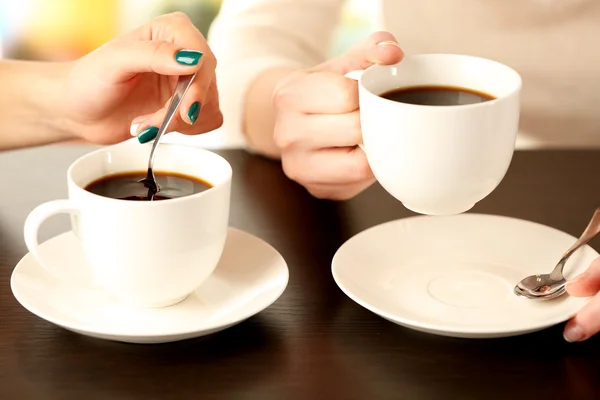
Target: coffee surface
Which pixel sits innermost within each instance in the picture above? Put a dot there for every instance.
(126, 186)
(437, 96)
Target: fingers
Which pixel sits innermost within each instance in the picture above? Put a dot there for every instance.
(197, 100)
(383, 53)
(378, 48)
(179, 29)
(139, 123)
(320, 152)
(146, 127)
(586, 323)
(191, 104)
(338, 192)
(318, 92)
(317, 123)
(170, 45)
(325, 89)
(588, 283)
(317, 131)
(337, 166)
(123, 59)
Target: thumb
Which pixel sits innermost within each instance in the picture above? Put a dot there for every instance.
(378, 48)
(123, 59)
(586, 284)
(586, 323)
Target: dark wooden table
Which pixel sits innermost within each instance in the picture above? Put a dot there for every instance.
(314, 342)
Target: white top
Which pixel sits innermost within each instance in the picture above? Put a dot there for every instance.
(553, 44)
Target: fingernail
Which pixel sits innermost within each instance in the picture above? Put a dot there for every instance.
(388, 43)
(573, 333)
(578, 278)
(193, 112)
(133, 129)
(147, 134)
(188, 57)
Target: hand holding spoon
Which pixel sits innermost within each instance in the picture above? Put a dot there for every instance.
(552, 285)
(183, 84)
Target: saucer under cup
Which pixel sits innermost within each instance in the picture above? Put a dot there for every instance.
(249, 277)
(454, 275)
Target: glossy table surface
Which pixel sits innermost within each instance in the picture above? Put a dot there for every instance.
(314, 342)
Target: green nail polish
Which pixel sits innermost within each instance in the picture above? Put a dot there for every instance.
(147, 134)
(188, 57)
(194, 111)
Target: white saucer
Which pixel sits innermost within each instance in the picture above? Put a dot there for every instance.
(250, 277)
(454, 275)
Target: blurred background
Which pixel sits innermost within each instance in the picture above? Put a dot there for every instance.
(60, 30)
(67, 29)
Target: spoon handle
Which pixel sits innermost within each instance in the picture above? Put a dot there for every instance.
(588, 234)
(183, 84)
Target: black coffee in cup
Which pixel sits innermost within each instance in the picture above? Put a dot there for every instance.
(126, 186)
(437, 95)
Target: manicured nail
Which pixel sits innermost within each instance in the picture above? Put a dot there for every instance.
(573, 333)
(388, 43)
(137, 121)
(133, 129)
(193, 112)
(147, 134)
(188, 57)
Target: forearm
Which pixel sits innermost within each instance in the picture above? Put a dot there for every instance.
(258, 114)
(29, 103)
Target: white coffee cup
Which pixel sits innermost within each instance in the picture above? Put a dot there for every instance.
(439, 159)
(147, 254)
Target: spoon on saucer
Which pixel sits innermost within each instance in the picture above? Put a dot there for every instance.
(552, 285)
(183, 84)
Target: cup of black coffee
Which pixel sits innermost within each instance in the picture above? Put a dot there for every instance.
(126, 186)
(439, 130)
(147, 253)
(437, 95)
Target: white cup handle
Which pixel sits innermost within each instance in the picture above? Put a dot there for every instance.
(34, 221)
(356, 75)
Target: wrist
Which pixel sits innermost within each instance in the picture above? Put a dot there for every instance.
(48, 102)
(31, 105)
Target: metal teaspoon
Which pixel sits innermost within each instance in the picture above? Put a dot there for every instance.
(552, 285)
(183, 84)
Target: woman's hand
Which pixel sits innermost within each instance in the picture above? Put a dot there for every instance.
(587, 322)
(125, 86)
(317, 122)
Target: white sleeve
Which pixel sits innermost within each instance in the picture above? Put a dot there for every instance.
(250, 36)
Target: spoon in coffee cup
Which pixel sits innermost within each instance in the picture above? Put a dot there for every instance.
(183, 84)
(552, 285)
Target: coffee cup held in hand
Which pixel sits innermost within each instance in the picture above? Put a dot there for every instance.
(145, 253)
(439, 130)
